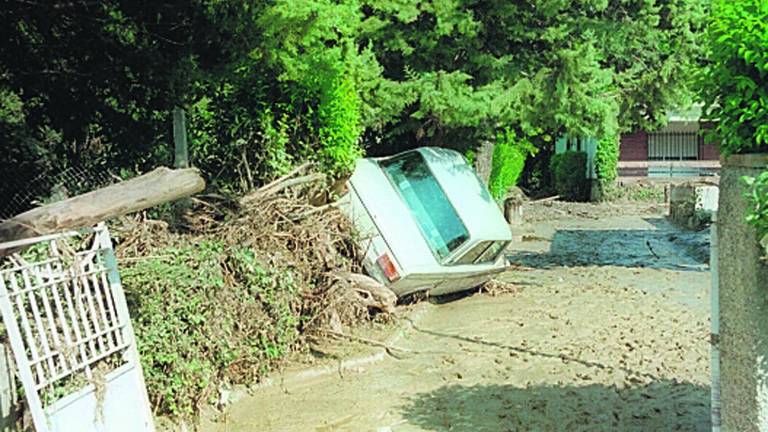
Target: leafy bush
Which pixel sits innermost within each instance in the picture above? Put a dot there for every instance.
(736, 81)
(736, 86)
(206, 315)
(507, 162)
(607, 159)
(570, 175)
(339, 114)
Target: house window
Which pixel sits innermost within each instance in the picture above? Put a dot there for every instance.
(674, 145)
(575, 144)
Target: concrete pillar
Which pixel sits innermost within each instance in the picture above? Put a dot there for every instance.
(743, 284)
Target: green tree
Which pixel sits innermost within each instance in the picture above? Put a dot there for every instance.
(111, 69)
(544, 67)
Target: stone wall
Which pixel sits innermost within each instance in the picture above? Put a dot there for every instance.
(743, 280)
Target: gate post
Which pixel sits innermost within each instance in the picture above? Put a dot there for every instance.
(743, 298)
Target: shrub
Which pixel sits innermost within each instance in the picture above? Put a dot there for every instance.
(736, 81)
(507, 162)
(607, 159)
(570, 175)
(339, 114)
(736, 87)
(206, 315)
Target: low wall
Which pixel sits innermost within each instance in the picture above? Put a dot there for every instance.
(743, 298)
(691, 204)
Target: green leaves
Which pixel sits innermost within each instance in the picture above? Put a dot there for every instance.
(268, 84)
(607, 159)
(340, 130)
(206, 315)
(508, 160)
(735, 83)
(588, 68)
(757, 195)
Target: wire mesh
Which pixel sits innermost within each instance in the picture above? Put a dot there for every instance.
(47, 188)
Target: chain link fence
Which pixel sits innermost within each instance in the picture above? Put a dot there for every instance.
(48, 188)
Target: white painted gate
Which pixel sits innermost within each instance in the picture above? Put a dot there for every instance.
(67, 320)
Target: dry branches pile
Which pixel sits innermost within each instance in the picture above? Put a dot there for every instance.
(290, 225)
(241, 285)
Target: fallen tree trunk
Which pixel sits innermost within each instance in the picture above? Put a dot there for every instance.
(156, 187)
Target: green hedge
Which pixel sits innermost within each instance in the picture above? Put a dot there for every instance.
(736, 86)
(507, 162)
(339, 113)
(757, 194)
(569, 170)
(736, 83)
(607, 159)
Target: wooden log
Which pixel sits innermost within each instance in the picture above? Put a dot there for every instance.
(156, 187)
(371, 292)
(283, 184)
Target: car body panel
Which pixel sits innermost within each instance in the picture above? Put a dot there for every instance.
(386, 225)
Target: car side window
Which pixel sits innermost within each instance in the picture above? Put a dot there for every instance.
(473, 254)
(492, 252)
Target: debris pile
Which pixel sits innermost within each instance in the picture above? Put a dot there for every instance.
(241, 284)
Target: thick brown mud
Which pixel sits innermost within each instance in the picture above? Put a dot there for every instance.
(607, 330)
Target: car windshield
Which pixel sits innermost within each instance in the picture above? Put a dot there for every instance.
(435, 216)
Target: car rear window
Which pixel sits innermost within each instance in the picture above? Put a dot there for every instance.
(435, 216)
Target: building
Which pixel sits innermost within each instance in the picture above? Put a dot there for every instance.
(678, 150)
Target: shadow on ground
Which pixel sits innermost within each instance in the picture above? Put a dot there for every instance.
(659, 406)
(625, 248)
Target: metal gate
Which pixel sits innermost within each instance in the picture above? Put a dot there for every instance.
(667, 146)
(67, 320)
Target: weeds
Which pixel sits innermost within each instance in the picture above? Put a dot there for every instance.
(206, 315)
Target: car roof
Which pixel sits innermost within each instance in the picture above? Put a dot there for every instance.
(469, 196)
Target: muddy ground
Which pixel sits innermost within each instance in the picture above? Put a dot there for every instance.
(607, 329)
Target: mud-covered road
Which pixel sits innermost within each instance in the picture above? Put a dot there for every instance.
(606, 330)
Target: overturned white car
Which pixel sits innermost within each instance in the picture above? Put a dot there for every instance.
(426, 222)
